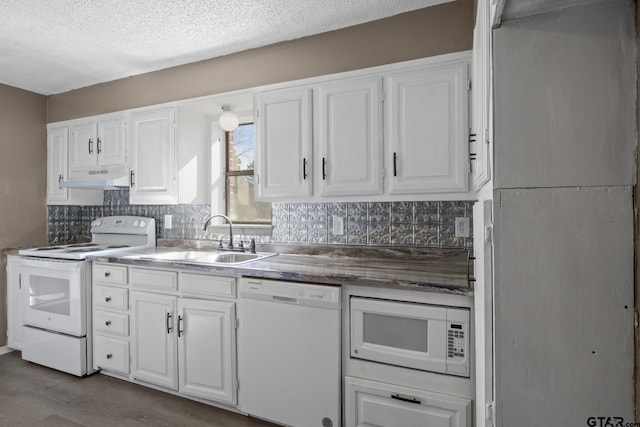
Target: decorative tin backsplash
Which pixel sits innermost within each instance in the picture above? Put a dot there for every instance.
(417, 224)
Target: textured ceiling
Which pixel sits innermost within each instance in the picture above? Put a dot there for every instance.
(51, 47)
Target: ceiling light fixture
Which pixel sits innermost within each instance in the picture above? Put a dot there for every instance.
(228, 120)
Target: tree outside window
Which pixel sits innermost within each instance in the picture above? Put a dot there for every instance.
(240, 204)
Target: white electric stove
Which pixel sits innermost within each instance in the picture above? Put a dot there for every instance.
(56, 292)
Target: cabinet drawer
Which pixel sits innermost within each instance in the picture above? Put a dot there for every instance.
(111, 354)
(110, 273)
(203, 284)
(113, 323)
(378, 404)
(154, 279)
(107, 296)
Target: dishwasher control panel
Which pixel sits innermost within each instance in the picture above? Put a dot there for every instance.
(290, 292)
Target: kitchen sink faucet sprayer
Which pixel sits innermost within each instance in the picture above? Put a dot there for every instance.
(206, 224)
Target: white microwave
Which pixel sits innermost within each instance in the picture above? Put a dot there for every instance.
(412, 335)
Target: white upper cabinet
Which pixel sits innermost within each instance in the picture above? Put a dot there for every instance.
(283, 144)
(427, 128)
(58, 171)
(153, 157)
(98, 144)
(479, 143)
(349, 129)
(57, 143)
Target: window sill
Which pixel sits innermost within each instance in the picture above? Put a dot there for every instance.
(242, 229)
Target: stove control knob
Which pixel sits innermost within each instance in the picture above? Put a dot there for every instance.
(142, 224)
(135, 223)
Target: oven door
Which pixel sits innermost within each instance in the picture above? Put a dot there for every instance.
(412, 335)
(54, 295)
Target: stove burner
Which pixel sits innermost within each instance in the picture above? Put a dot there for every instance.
(117, 246)
(82, 245)
(92, 249)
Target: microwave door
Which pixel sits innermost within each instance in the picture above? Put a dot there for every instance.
(401, 334)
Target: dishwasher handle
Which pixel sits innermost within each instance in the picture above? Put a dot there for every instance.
(284, 299)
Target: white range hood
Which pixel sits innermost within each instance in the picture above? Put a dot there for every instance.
(100, 179)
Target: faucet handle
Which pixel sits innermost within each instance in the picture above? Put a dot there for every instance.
(252, 246)
(241, 246)
(220, 244)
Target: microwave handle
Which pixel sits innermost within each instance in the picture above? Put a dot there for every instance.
(398, 396)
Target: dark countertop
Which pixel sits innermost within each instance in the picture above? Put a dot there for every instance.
(441, 271)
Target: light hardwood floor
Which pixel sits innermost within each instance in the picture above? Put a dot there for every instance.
(32, 395)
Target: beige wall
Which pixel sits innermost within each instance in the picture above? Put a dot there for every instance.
(23, 164)
(426, 32)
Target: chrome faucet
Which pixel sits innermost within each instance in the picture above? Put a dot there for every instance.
(206, 224)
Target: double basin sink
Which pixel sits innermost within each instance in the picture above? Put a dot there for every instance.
(206, 257)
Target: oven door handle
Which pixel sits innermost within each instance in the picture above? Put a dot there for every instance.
(169, 327)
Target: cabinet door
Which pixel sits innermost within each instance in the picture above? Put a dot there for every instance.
(350, 137)
(153, 151)
(206, 349)
(283, 144)
(153, 339)
(369, 403)
(111, 142)
(14, 303)
(481, 94)
(83, 146)
(428, 130)
(57, 143)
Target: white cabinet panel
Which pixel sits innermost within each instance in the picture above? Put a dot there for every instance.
(153, 337)
(82, 145)
(427, 129)
(369, 403)
(283, 144)
(206, 349)
(153, 147)
(57, 145)
(111, 354)
(111, 143)
(14, 303)
(350, 137)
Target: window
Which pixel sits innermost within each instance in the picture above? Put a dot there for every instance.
(239, 178)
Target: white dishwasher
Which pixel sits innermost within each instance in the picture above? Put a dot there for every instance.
(289, 352)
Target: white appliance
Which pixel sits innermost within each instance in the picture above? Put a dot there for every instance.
(289, 352)
(55, 283)
(413, 335)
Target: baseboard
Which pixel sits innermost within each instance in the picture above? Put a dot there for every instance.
(5, 350)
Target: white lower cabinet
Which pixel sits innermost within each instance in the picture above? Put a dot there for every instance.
(206, 340)
(165, 328)
(154, 352)
(14, 312)
(371, 403)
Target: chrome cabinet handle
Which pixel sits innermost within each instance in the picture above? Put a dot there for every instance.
(109, 356)
(108, 322)
(99, 145)
(133, 182)
(90, 146)
(395, 164)
(304, 168)
(60, 178)
(107, 299)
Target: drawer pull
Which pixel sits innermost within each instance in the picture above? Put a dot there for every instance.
(406, 399)
(107, 299)
(107, 273)
(109, 356)
(108, 322)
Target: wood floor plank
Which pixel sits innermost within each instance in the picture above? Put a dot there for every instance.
(33, 395)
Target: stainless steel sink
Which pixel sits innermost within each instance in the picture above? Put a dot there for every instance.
(207, 257)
